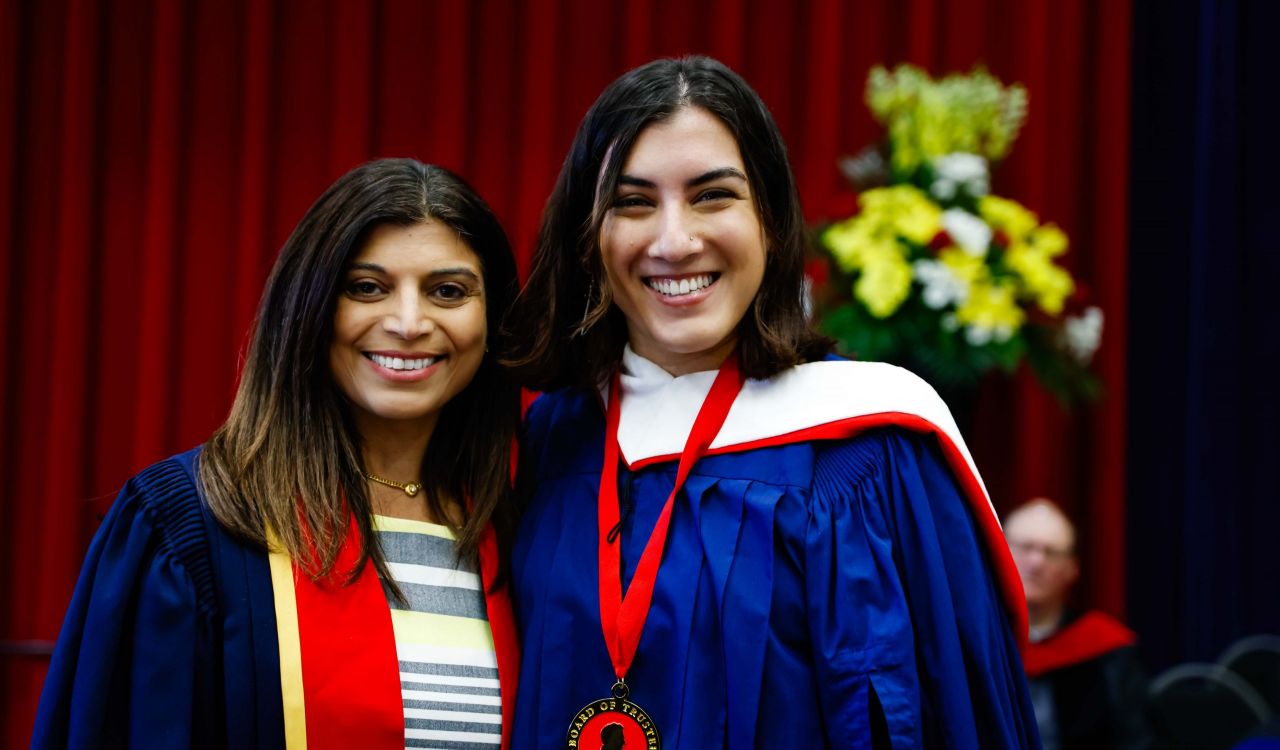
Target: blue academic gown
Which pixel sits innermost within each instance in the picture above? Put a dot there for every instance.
(170, 639)
(816, 594)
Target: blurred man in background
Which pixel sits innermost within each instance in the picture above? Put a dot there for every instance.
(1087, 684)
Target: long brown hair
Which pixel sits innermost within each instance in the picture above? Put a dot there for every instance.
(288, 458)
(564, 329)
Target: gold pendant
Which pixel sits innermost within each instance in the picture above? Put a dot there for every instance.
(411, 489)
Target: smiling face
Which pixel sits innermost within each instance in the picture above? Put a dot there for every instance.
(682, 243)
(409, 327)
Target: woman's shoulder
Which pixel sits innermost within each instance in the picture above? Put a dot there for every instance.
(840, 387)
(879, 379)
(564, 404)
(866, 455)
(832, 400)
(166, 490)
(561, 418)
(163, 504)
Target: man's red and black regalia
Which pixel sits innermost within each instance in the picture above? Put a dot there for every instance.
(178, 635)
(834, 575)
(1093, 683)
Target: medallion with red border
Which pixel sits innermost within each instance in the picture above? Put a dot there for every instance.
(612, 724)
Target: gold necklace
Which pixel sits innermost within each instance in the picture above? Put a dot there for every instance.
(411, 488)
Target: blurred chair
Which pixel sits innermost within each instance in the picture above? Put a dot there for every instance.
(1256, 658)
(1203, 707)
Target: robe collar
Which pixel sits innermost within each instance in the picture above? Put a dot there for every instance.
(658, 408)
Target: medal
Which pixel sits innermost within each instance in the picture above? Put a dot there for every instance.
(615, 722)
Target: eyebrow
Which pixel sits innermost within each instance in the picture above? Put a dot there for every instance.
(702, 179)
(459, 271)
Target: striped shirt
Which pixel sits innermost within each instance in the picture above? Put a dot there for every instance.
(448, 669)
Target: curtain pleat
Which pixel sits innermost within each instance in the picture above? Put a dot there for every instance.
(72, 247)
(10, 56)
(252, 250)
(353, 82)
(155, 155)
(538, 96)
(159, 293)
(637, 33)
(728, 32)
(820, 132)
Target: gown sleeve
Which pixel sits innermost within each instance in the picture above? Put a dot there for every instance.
(132, 661)
(911, 636)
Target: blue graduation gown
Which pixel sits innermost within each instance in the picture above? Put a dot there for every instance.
(170, 639)
(815, 594)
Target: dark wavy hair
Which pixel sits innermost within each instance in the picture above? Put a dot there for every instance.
(564, 329)
(288, 459)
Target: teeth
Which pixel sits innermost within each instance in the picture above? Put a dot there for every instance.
(399, 363)
(673, 288)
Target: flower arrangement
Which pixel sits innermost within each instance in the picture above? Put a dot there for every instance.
(934, 272)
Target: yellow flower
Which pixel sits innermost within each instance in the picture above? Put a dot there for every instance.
(1049, 240)
(905, 209)
(974, 113)
(1044, 281)
(870, 244)
(933, 125)
(1053, 289)
(1031, 257)
(1009, 216)
(884, 283)
(843, 239)
(963, 265)
(992, 309)
(906, 155)
(852, 240)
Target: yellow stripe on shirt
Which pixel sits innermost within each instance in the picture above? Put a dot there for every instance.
(410, 526)
(428, 629)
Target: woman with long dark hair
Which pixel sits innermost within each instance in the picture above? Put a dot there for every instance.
(733, 539)
(325, 570)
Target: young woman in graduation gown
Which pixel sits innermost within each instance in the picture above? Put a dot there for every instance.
(324, 571)
(733, 539)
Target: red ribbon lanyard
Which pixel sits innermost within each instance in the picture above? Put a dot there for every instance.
(622, 619)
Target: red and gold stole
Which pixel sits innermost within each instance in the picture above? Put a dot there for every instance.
(339, 673)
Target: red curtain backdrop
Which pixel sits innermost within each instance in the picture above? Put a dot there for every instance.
(154, 156)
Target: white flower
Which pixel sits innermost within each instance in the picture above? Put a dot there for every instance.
(960, 169)
(1083, 334)
(943, 190)
(969, 232)
(978, 335)
(941, 286)
(981, 335)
